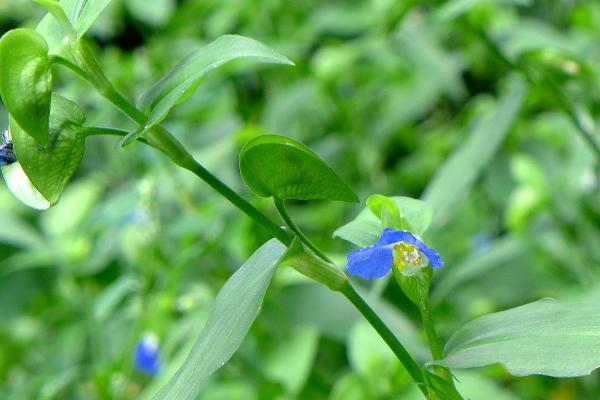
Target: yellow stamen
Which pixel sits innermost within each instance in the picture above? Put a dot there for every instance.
(406, 255)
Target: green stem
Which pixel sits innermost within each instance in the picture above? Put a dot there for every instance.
(387, 335)
(280, 206)
(101, 131)
(432, 336)
(161, 139)
(558, 96)
(434, 341)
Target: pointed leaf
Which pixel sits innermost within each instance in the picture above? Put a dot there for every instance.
(234, 310)
(50, 167)
(286, 169)
(546, 337)
(26, 81)
(182, 79)
(83, 13)
(55, 9)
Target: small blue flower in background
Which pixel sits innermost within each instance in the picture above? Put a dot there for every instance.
(145, 356)
(400, 249)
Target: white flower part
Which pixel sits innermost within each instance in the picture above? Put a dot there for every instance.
(150, 342)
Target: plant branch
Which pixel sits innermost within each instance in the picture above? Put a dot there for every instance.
(387, 335)
(280, 206)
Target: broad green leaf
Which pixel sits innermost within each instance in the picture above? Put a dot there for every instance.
(284, 168)
(546, 337)
(455, 178)
(234, 310)
(169, 90)
(366, 227)
(26, 81)
(50, 167)
(455, 8)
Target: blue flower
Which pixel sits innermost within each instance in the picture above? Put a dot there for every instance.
(400, 249)
(145, 356)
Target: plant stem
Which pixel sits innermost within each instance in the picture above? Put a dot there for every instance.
(159, 138)
(434, 340)
(97, 131)
(387, 335)
(432, 337)
(280, 206)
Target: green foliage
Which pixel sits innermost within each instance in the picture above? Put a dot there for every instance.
(545, 337)
(300, 175)
(179, 84)
(234, 309)
(486, 110)
(26, 81)
(50, 167)
(405, 212)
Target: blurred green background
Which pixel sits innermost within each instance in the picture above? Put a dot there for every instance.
(393, 95)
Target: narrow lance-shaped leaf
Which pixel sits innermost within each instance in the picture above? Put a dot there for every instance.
(56, 10)
(61, 33)
(26, 81)
(83, 13)
(234, 310)
(545, 337)
(284, 168)
(170, 89)
(50, 167)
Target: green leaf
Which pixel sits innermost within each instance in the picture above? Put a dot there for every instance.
(169, 90)
(386, 210)
(234, 310)
(286, 169)
(26, 81)
(546, 337)
(59, 33)
(440, 386)
(56, 10)
(50, 167)
(83, 13)
(455, 178)
(401, 212)
(365, 229)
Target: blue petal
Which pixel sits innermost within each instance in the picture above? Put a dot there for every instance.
(146, 357)
(389, 236)
(370, 262)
